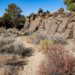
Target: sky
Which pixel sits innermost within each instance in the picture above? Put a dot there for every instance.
(29, 6)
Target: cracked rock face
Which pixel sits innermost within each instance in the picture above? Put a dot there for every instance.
(62, 25)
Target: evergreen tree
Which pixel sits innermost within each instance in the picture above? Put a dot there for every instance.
(70, 4)
(13, 16)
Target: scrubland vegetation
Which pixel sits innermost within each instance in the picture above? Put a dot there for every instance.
(38, 44)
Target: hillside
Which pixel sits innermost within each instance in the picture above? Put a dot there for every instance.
(44, 46)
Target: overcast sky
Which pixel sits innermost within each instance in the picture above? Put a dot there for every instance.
(29, 6)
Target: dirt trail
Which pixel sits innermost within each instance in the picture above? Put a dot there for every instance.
(34, 61)
(33, 65)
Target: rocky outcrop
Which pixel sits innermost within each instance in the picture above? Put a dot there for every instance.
(34, 25)
(60, 24)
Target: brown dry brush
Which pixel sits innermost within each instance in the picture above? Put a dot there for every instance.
(14, 54)
(57, 62)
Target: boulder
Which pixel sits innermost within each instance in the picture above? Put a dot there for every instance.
(32, 16)
(34, 25)
(61, 10)
(55, 14)
(40, 12)
(42, 26)
(72, 19)
(48, 14)
(59, 18)
(48, 23)
(63, 25)
(70, 25)
(53, 28)
(66, 34)
(57, 22)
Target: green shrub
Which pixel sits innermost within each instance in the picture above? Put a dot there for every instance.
(70, 4)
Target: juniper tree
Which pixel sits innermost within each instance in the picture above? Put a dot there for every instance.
(13, 15)
(70, 4)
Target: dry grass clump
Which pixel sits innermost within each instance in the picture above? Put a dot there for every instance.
(57, 62)
(12, 54)
(9, 45)
(57, 38)
(37, 37)
(43, 44)
(6, 41)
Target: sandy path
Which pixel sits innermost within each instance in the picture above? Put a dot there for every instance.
(33, 65)
(34, 61)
